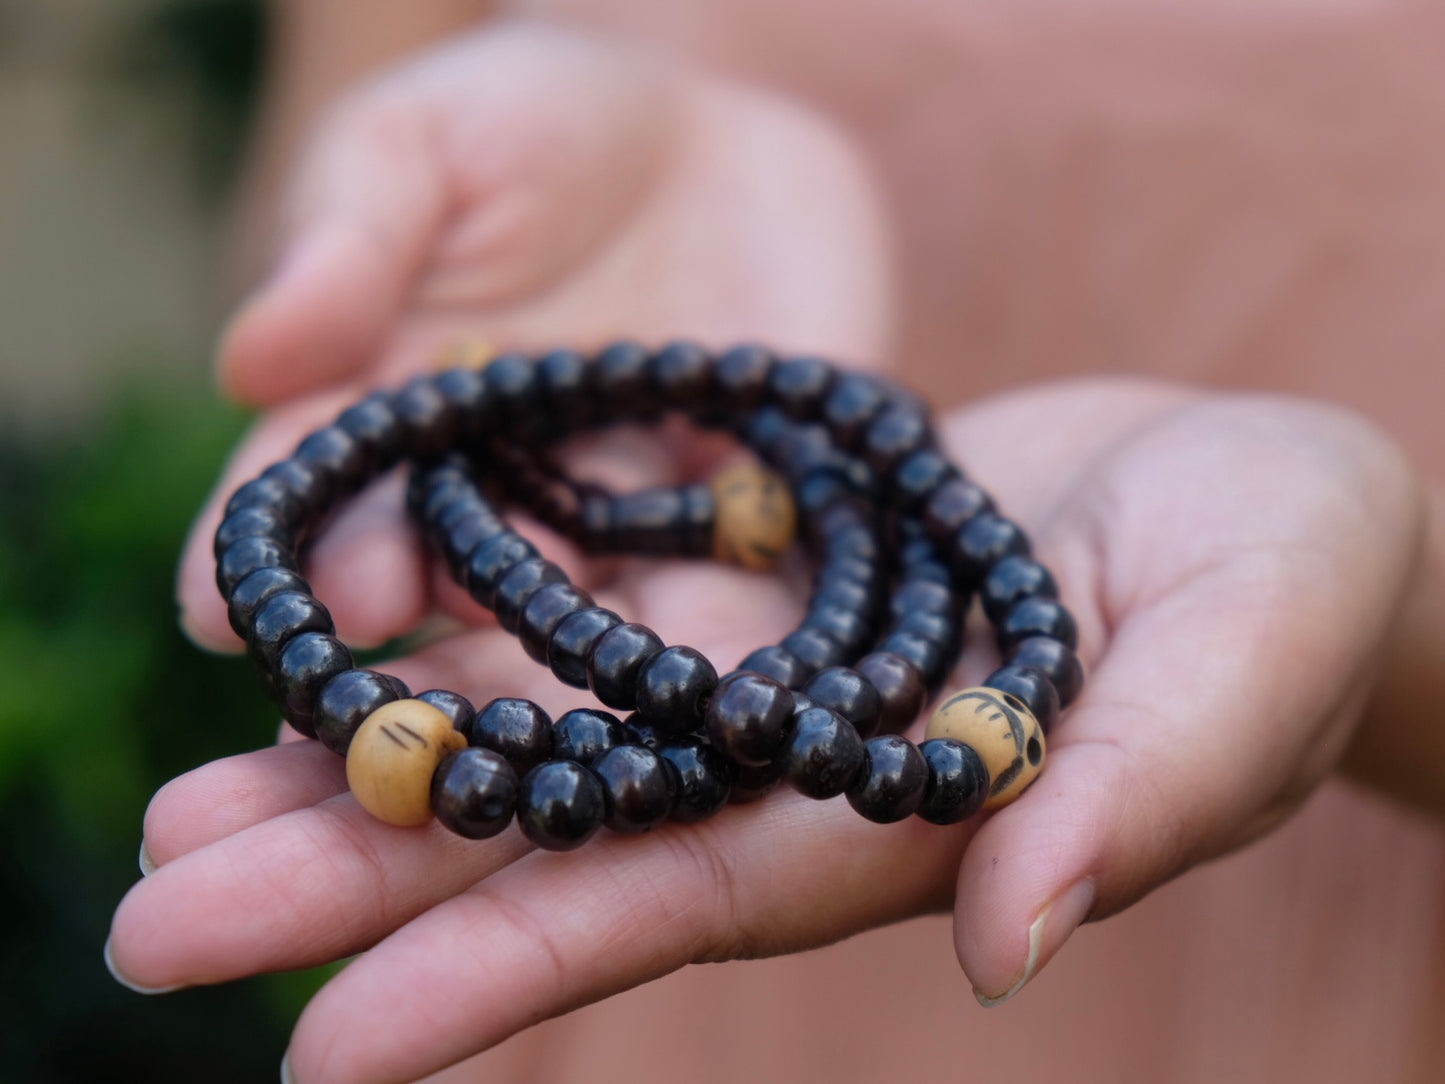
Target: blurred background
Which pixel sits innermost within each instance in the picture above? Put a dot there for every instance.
(1264, 213)
(120, 128)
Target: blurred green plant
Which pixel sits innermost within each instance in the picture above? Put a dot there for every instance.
(101, 701)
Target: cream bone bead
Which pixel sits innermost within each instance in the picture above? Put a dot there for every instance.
(393, 756)
(754, 520)
(1004, 733)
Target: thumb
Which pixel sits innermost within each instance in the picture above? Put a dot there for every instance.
(367, 204)
(1233, 675)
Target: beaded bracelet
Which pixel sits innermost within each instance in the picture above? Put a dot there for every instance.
(902, 541)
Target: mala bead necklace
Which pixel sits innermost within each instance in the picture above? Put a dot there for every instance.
(901, 539)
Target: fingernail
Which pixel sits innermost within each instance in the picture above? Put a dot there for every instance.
(131, 984)
(286, 1075)
(1059, 918)
(147, 863)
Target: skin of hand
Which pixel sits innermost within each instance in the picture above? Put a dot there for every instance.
(1235, 565)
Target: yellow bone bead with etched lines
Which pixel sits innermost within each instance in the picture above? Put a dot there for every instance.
(393, 756)
(754, 520)
(1004, 733)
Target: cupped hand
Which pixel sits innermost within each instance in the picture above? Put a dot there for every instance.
(528, 186)
(1234, 564)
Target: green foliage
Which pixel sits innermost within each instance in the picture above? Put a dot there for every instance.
(103, 701)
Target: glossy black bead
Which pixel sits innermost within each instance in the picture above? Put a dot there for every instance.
(895, 433)
(517, 729)
(741, 379)
(253, 590)
(492, 560)
(1037, 616)
(697, 521)
(429, 421)
(513, 393)
(851, 538)
(306, 664)
(281, 617)
(638, 788)
(474, 793)
(681, 376)
(924, 596)
(748, 718)
(454, 706)
(824, 754)
(311, 486)
(751, 782)
(777, 663)
(891, 782)
(852, 403)
(615, 661)
(344, 703)
(1031, 686)
(901, 690)
(985, 540)
(648, 522)
(465, 389)
(572, 641)
(918, 477)
(800, 385)
(337, 453)
(620, 376)
(251, 521)
(1012, 579)
(518, 584)
(702, 778)
(547, 608)
(814, 647)
(957, 782)
(638, 732)
(943, 629)
(673, 688)
(269, 493)
(1057, 661)
(849, 630)
(584, 734)
(441, 498)
(245, 556)
(850, 695)
(565, 382)
(927, 656)
(952, 505)
(374, 425)
(844, 594)
(559, 805)
(460, 536)
(766, 430)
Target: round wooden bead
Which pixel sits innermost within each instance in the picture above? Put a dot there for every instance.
(1005, 735)
(755, 519)
(393, 756)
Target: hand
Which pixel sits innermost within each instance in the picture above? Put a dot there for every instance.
(531, 187)
(1234, 565)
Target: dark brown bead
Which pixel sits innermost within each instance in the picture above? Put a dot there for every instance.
(517, 729)
(673, 688)
(900, 686)
(891, 782)
(1037, 616)
(1057, 661)
(572, 641)
(951, 506)
(748, 718)
(547, 608)
(474, 793)
(518, 584)
(615, 661)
